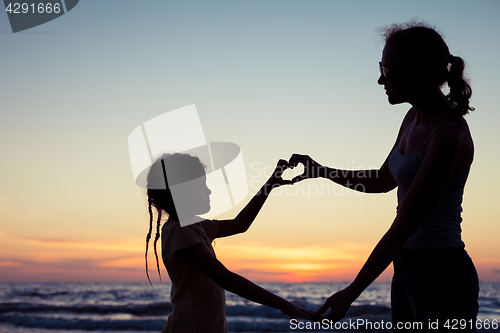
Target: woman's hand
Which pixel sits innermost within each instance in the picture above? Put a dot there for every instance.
(338, 303)
(294, 311)
(276, 180)
(312, 169)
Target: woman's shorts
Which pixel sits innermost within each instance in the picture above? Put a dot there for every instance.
(434, 291)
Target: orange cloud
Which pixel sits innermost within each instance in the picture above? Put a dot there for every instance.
(52, 260)
(47, 260)
(312, 263)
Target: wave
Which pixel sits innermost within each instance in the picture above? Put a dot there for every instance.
(134, 309)
(33, 321)
(138, 308)
(235, 324)
(151, 317)
(162, 308)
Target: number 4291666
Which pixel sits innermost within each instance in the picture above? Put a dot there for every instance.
(455, 324)
(41, 8)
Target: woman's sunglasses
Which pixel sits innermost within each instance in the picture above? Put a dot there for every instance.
(384, 71)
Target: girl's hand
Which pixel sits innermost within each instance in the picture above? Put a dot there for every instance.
(294, 311)
(312, 169)
(338, 303)
(276, 180)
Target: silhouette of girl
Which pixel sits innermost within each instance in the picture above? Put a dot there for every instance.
(434, 278)
(198, 278)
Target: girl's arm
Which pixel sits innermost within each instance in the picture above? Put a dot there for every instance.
(449, 149)
(202, 259)
(368, 181)
(244, 219)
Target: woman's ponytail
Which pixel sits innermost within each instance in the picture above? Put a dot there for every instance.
(424, 47)
(460, 90)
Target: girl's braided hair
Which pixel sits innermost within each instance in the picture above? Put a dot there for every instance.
(167, 170)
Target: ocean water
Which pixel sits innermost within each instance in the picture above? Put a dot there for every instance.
(120, 307)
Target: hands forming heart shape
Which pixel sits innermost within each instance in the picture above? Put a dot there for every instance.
(312, 169)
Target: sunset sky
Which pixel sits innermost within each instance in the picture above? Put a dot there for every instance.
(275, 77)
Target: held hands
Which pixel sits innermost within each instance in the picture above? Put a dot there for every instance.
(294, 311)
(338, 303)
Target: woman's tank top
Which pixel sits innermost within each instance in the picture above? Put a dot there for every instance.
(442, 227)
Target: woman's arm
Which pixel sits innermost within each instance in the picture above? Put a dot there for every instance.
(448, 149)
(244, 219)
(368, 181)
(202, 259)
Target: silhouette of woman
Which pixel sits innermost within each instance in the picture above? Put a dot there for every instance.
(177, 186)
(434, 278)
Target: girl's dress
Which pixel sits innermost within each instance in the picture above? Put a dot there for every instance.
(198, 303)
